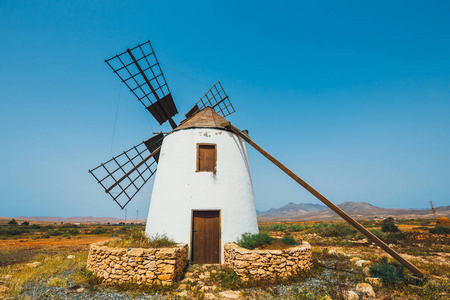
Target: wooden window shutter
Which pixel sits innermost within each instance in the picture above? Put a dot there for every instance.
(206, 158)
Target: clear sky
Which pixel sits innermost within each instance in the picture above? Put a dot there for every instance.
(353, 96)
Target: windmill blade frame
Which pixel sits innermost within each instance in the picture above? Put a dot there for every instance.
(141, 72)
(216, 98)
(129, 171)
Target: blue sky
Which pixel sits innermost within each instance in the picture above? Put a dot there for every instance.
(354, 97)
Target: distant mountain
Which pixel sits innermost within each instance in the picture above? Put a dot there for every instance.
(362, 210)
(78, 219)
(292, 209)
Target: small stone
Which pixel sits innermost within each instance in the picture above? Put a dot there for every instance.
(33, 264)
(362, 263)
(210, 296)
(183, 294)
(350, 295)
(230, 294)
(80, 290)
(355, 259)
(366, 289)
(70, 256)
(366, 271)
(7, 277)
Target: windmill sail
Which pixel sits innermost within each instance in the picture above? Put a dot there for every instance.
(217, 99)
(139, 69)
(124, 175)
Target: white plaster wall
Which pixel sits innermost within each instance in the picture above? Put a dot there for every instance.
(179, 189)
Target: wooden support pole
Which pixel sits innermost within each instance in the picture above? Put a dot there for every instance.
(327, 202)
(132, 170)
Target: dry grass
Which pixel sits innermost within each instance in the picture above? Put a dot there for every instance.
(49, 271)
(138, 239)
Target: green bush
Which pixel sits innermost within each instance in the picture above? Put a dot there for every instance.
(99, 230)
(252, 241)
(389, 225)
(390, 273)
(289, 240)
(440, 229)
(53, 232)
(46, 236)
(395, 237)
(334, 230)
(379, 234)
(35, 226)
(13, 222)
(73, 231)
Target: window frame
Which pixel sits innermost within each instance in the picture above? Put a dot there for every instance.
(197, 163)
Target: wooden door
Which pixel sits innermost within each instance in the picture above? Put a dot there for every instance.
(206, 237)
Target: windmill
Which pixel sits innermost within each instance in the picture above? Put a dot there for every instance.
(203, 193)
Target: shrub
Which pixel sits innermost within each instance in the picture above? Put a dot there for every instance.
(390, 273)
(378, 233)
(138, 239)
(289, 240)
(73, 231)
(334, 230)
(252, 241)
(440, 229)
(99, 230)
(26, 223)
(54, 232)
(13, 222)
(389, 225)
(46, 236)
(35, 226)
(394, 237)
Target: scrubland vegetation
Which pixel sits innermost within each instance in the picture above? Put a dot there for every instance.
(48, 261)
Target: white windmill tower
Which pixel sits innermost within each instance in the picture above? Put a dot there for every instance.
(203, 193)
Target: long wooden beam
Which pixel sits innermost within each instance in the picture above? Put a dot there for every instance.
(133, 169)
(327, 202)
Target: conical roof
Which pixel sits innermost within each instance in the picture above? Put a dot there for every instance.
(206, 118)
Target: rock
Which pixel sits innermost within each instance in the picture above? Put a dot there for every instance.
(183, 294)
(70, 256)
(351, 295)
(366, 289)
(7, 277)
(361, 242)
(374, 281)
(363, 263)
(230, 294)
(355, 259)
(80, 290)
(366, 271)
(210, 296)
(34, 264)
(332, 252)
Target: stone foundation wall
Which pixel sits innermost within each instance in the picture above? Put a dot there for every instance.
(268, 263)
(149, 266)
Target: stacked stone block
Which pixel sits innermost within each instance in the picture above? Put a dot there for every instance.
(141, 265)
(268, 263)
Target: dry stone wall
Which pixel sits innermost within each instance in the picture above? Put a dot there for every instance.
(268, 263)
(149, 266)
